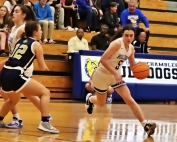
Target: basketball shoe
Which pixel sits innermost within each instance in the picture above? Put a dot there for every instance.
(3, 125)
(15, 124)
(109, 99)
(89, 104)
(149, 127)
(47, 127)
(50, 118)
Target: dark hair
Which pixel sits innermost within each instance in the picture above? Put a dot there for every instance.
(113, 4)
(104, 25)
(138, 32)
(79, 29)
(129, 28)
(120, 31)
(26, 10)
(30, 27)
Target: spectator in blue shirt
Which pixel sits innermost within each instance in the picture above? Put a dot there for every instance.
(88, 12)
(44, 15)
(133, 16)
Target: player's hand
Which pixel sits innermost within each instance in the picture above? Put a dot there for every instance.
(118, 78)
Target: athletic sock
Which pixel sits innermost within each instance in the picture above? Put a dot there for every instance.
(144, 122)
(16, 116)
(45, 118)
(1, 118)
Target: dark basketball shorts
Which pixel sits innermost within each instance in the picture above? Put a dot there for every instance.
(13, 80)
(101, 81)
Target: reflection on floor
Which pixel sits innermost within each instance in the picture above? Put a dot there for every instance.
(111, 123)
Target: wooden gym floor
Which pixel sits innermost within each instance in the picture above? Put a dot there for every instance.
(112, 123)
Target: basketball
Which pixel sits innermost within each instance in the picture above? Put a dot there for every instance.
(141, 70)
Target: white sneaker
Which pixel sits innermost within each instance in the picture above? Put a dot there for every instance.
(75, 28)
(47, 127)
(15, 124)
(70, 29)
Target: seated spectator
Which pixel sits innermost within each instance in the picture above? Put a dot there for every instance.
(106, 3)
(97, 16)
(3, 29)
(58, 13)
(97, 5)
(78, 42)
(133, 16)
(28, 2)
(140, 41)
(110, 19)
(100, 41)
(44, 15)
(10, 4)
(70, 11)
(88, 12)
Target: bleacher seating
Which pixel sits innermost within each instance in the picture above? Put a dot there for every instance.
(163, 37)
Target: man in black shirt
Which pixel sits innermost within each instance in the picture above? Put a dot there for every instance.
(100, 41)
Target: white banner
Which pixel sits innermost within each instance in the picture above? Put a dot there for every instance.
(161, 71)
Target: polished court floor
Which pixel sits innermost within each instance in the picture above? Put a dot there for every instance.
(112, 123)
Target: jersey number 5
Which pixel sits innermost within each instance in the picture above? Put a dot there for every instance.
(119, 64)
(19, 51)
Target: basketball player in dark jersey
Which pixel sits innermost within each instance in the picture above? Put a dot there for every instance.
(20, 15)
(13, 78)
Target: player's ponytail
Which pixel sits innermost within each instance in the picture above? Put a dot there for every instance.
(118, 34)
(23, 35)
(30, 15)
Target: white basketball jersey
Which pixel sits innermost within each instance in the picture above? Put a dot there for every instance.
(118, 58)
(13, 37)
(11, 44)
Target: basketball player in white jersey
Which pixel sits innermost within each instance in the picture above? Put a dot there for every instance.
(20, 15)
(109, 72)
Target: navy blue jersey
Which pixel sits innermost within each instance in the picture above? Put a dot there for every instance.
(23, 54)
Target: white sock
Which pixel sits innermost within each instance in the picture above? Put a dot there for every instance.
(144, 122)
(16, 115)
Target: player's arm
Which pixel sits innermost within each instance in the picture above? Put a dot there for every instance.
(113, 47)
(132, 59)
(18, 36)
(37, 48)
(21, 30)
